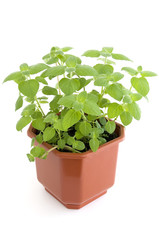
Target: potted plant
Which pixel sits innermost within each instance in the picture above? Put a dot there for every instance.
(74, 132)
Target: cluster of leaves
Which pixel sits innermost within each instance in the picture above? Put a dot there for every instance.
(76, 119)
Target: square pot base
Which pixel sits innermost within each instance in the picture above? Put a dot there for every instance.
(78, 206)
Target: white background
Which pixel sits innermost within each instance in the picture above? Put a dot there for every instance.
(130, 209)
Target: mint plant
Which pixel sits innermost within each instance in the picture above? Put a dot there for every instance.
(77, 119)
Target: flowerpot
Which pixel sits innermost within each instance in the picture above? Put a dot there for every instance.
(75, 179)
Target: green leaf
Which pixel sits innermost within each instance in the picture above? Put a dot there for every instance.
(54, 103)
(114, 110)
(141, 85)
(70, 69)
(30, 157)
(67, 101)
(104, 69)
(37, 68)
(77, 106)
(139, 69)
(96, 132)
(101, 80)
(78, 60)
(37, 151)
(108, 61)
(19, 103)
(105, 54)
(91, 53)
(23, 121)
(116, 76)
(110, 126)
(126, 118)
(135, 96)
(82, 96)
(28, 110)
(36, 114)
(148, 74)
(38, 124)
(13, 76)
(63, 112)
(83, 82)
(54, 49)
(71, 118)
(91, 108)
(102, 140)
(53, 71)
(102, 120)
(49, 60)
(78, 135)
(125, 90)
(42, 80)
(130, 70)
(104, 102)
(49, 90)
(24, 68)
(59, 125)
(107, 49)
(71, 62)
(134, 110)
(91, 117)
(115, 91)
(39, 138)
(127, 99)
(66, 49)
(29, 88)
(85, 128)
(43, 98)
(48, 133)
(30, 100)
(32, 141)
(51, 118)
(85, 70)
(94, 96)
(98, 125)
(68, 86)
(61, 143)
(70, 140)
(120, 57)
(78, 145)
(94, 144)
(43, 101)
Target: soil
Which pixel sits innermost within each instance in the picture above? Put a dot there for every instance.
(107, 136)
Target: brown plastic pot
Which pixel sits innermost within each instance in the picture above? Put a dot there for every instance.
(75, 179)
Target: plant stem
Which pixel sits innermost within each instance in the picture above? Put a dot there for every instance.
(58, 82)
(51, 149)
(71, 75)
(39, 106)
(130, 88)
(71, 149)
(102, 116)
(84, 116)
(59, 134)
(66, 148)
(102, 91)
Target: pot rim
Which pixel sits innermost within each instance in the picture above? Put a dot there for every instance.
(117, 140)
